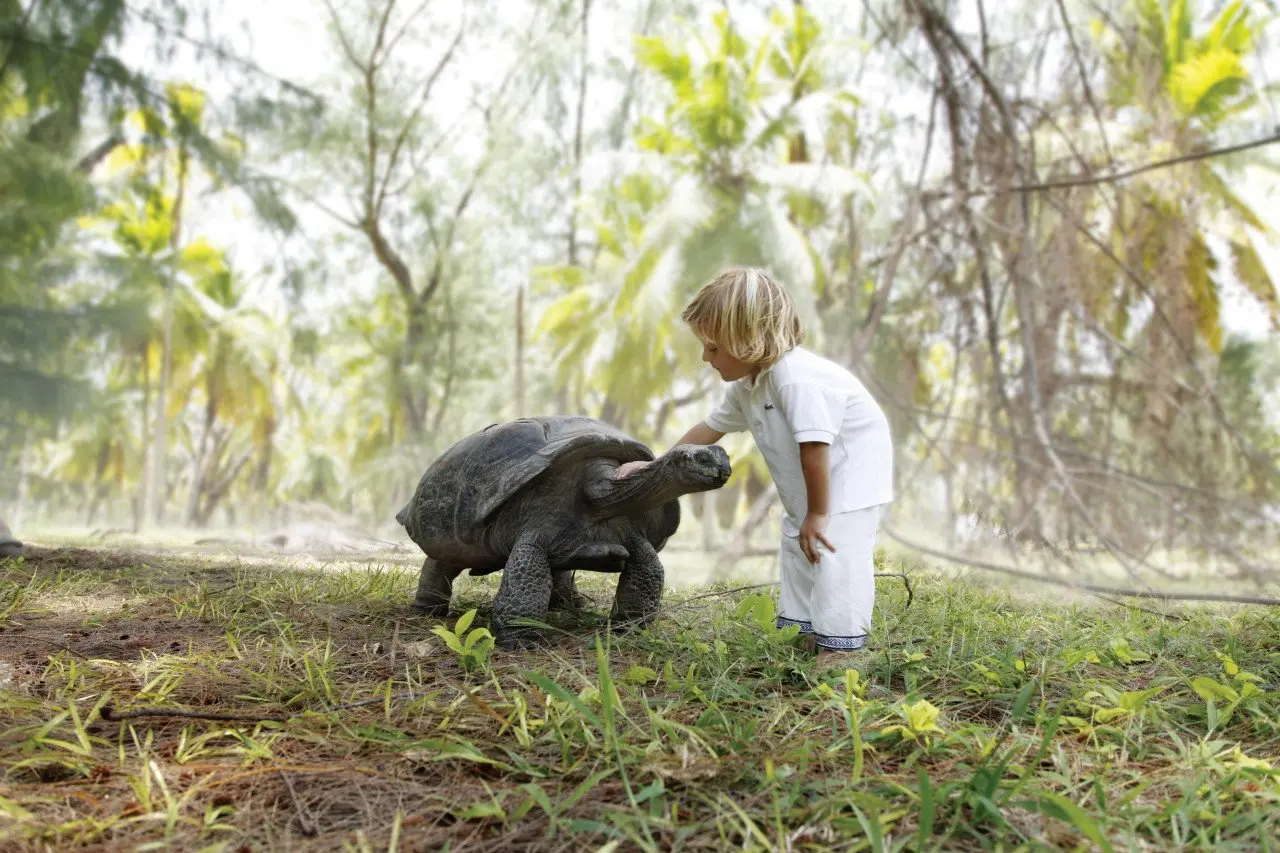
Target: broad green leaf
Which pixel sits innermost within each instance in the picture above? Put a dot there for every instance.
(464, 622)
(922, 716)
(640, 675)
(450, 639)
(1213, 691)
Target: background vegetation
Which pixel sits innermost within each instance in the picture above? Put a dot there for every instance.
(259, 266)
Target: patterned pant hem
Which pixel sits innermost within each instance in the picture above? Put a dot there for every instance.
(840, 643)
(805, 627)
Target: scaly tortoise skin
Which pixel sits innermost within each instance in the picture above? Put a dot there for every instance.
(536, 499)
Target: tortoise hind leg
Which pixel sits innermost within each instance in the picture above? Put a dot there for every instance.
(525, 592)
(435, 588)
(564, 593)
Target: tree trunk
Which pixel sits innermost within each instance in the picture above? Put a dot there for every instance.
(141, 499)
(24, 481)
(520, 410)
(577, 139)
(222, 485)
(157, 490)
(197, 467)
(413, 397)
(160, 420)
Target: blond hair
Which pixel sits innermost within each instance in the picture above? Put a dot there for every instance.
(748, 313)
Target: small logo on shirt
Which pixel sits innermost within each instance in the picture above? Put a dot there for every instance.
(768, 406)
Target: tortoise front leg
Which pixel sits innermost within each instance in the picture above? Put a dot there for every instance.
(525, 592)
(639, 587)
(435, 588)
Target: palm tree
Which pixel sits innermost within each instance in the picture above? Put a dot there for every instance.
(728, 174)
(229, 383)
(1179, 86)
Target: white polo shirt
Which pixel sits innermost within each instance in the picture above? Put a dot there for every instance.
(805, 397)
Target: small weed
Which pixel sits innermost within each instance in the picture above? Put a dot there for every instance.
(473, 651)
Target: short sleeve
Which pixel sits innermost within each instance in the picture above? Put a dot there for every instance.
(727, 416)
(813, 412)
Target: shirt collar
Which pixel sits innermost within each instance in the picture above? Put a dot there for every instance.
(764, 371)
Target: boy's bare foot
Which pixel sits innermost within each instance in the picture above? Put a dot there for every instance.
(810, 645)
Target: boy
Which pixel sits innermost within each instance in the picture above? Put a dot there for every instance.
(824, 438)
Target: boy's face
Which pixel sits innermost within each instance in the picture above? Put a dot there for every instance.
(729, 368)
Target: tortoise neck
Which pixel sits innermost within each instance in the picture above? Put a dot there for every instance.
(651, 486)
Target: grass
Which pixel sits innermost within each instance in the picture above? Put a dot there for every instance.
(978, 720)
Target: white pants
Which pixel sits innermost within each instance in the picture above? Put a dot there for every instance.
(833, 598)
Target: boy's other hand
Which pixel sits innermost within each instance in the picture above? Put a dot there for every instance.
(628, 468)
(812, 531)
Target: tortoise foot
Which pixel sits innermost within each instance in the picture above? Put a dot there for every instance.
(435, 589)
(431, 611)
(522, 640)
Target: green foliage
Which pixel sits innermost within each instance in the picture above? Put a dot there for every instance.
(724, 186)
(692, 733)
(473, 647)
(1204, 83)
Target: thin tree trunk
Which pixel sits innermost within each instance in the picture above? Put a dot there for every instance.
(157, 491)
(141, 500)
(24, 481)
(198, 461)
(451, 334)
(577, 139)
(520, 410)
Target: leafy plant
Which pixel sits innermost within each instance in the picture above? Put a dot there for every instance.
(921, 721)
(473, 651)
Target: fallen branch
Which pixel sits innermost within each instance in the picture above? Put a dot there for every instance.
(1131, 605)
(1266, 601)
(906, 581)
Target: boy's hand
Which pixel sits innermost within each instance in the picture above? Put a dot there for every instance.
(628, 467)
(812, 531)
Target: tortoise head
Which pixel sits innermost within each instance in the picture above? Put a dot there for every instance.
(695, 467)
(682, 470)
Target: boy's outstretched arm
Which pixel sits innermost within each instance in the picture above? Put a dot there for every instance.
(700, 434)
(815, 463)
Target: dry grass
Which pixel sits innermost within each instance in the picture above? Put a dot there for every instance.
(709, 731)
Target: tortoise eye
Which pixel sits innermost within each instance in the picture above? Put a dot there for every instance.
(702, 457)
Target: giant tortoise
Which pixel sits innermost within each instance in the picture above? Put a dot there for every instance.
(536, 499)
